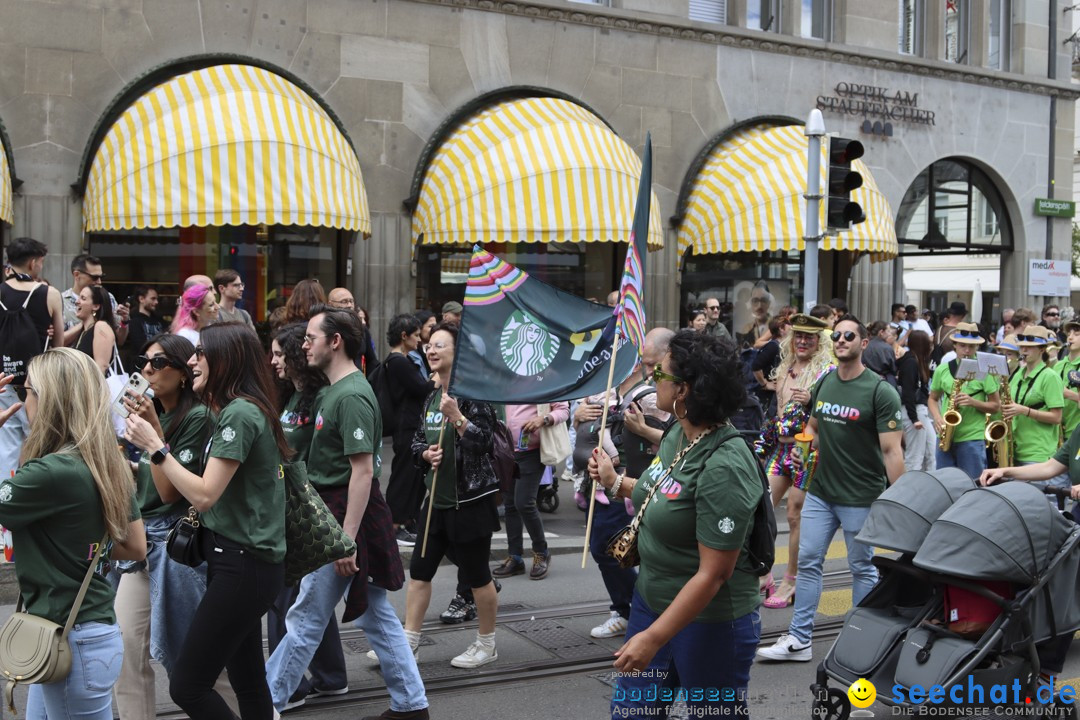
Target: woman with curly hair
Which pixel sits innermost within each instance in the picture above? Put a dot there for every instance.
(693, 619)
(805, 356)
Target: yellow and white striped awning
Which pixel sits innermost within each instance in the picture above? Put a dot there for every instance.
(225, 145)
(748, 197)
(6, 213)
(533, 170)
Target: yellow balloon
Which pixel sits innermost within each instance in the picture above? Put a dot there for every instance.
(862, 693)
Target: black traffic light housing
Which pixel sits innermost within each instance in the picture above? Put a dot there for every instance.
(841, 212)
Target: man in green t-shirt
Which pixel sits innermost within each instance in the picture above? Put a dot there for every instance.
(855, 421)
(344, 465)
(1070, 414)
(976, 398)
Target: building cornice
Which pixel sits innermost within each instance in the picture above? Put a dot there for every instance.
(664, 26)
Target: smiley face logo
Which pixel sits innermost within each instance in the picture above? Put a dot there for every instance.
(862, 693)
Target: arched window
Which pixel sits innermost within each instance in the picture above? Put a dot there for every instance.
(953, 207)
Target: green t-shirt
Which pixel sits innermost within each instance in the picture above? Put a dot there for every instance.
(446, 487)
(1069, 456)
(1070, 413)
(1041, 390)
(298, 428)
(251, 511)
(54, 512)
(850, 415)
(186, 445)
(347, 422)
(972, 422)
(708, 498)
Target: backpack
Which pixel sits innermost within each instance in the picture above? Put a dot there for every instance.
(387, 403)
(20, 341)
(502, 456)
(761, 543)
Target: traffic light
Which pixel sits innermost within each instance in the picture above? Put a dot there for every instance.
(841, 212)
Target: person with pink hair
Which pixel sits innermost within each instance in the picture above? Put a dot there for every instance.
(198, 308)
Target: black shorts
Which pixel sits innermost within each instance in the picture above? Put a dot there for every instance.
(463, 535)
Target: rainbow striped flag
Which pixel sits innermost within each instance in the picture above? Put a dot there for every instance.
(490, 278)
(630, 310)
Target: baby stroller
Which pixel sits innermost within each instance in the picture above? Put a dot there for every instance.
(956, 539)
(547, 495)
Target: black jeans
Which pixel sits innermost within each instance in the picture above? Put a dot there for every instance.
(226, 632)
(521, 505)
(405, 490)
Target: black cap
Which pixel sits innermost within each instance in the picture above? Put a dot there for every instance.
(957, 309)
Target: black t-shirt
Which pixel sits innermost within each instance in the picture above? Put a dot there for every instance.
(38, 308)
(142, 328)
(767, 359)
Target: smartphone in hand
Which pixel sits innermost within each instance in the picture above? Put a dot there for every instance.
(136, 386)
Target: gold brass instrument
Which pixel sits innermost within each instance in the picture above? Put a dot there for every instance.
(951, 418)
(999, 433)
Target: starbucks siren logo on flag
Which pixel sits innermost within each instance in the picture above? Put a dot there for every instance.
(526, 346)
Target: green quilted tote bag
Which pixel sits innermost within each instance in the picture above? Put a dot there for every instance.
(313, 537)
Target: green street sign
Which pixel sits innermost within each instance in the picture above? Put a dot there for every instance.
(1055, 208)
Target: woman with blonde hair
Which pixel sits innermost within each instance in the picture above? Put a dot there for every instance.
(198, 308)
(805, 357)
(74, 489)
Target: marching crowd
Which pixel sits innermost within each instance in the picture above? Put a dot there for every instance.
(819, 407)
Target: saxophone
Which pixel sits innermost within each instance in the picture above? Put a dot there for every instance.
(999, 434)
(951, 418)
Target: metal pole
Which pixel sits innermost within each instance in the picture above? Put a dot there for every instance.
(1051, 72)
(815, 130)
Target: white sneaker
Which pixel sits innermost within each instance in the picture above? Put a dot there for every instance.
(786, 649)
(375, 658)
(475, 655)
(612, 627)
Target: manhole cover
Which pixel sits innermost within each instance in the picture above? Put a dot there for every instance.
(553, 637)
(359, 647)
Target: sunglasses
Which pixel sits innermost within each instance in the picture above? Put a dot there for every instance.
(1030, 338)
(848, 336)
(95, 278)
(658, 375)
(1052, 314)
(199, 352)
(968, 335)
(158, 362)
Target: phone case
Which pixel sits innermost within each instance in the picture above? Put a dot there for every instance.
(136, 385)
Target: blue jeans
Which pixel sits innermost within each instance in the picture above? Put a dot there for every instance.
(820, 521)
(969, 456)
(306, 622)
(86, 693)
(607, 520)
(175, 593)
(707, 664)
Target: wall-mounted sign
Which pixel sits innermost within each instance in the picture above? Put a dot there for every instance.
(1049, 278)
(1055, 208)
(878, 106)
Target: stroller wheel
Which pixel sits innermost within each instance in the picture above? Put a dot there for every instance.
(834, 707)
(549, 502)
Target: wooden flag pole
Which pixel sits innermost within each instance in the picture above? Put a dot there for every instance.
(431, 497)
(600, 443)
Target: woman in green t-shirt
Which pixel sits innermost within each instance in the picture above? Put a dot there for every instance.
(453, 446)
(694, 623)
(156, 600)
(298, 386)
(1037, 399)
(73, 489)
(241, 498)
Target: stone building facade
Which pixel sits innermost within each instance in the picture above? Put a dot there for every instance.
(395, 71)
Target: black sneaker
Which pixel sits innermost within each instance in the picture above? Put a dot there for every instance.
(298, 698)
(459, 611)
(405, 538)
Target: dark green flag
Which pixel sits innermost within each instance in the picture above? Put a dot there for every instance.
(524, 341)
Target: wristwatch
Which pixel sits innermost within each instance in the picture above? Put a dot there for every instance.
(548, 421)
(460, 422)
(158, 456)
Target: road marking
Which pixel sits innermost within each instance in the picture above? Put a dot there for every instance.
(837, 549)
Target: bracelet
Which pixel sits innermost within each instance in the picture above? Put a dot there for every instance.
(1029, 412)
(613, 493)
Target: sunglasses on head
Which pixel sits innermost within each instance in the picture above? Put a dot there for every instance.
(1030, 338)
(968, 335)
(848, 336)
(158, 362)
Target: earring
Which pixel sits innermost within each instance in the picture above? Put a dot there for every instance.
(675, 407)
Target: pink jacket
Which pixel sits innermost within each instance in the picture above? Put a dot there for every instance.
(518, 415)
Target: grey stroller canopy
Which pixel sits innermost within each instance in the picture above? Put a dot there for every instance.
(1006, 532)
(902, 515)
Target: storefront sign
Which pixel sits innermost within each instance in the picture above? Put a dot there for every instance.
(1049, 278)
(1055, 208)
(875, 103)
